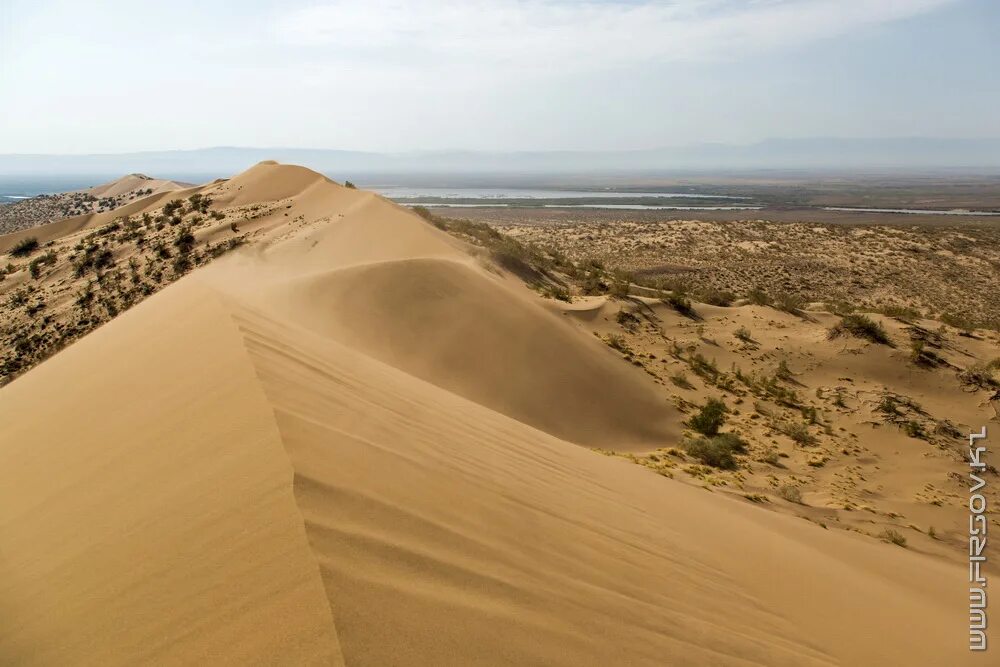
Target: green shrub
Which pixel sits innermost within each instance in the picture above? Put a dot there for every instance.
(680, 380)
(771, 457)
(790, 303)
(182, 264)
(861, 326)
(35, 266)
(958, 321)
(715, 297)
(24, 247)
(710, 417)
(184, 241)
(681, 304)
(980, 375)
(627, 319)
(704, 367)
(798, 432)
(94, 258)
(620, 285)
(426, 214)
(758, 297)
(717, 451)
(888, 406)
(904, 313)
(914, 430)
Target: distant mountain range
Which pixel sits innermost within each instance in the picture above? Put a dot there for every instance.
(814, 154)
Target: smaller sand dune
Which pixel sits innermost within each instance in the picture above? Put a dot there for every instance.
(127, 185)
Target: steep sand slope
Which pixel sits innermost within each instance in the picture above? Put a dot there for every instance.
(145, 512)
(234, 473)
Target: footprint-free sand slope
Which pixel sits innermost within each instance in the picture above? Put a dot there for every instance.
(144, 506)
(254, 467)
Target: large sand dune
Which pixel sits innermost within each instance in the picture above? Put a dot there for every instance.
(354, 444)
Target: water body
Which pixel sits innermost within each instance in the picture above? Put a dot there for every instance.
(405, 193)
(624, 207)
(14, 188)
(910, 211)
(653, 207)
(467, 197)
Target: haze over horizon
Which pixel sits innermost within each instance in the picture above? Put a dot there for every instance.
(386, 76)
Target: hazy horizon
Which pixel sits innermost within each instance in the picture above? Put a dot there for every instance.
(815, 155)
(492, 75)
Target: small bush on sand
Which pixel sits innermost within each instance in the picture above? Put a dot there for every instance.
(861, 326)
(790, 303)
(981, 375)
(680, 379)
(904, 313)
(715, 297)
(798, 432)
(616, 342)
(426, 214)
(914, 430)
(717, 451)
(184, 240)
(790, 493)
(958, 321)
(710, 418)
(24, 247)
(894, 536)
(35, 266)
(681, 304)
(703, 367)
(518, 258)
(627, 319)
(620, 285)
(557, 292)
(758, 297)
(771, 457)
(350, 186)
(744, 335)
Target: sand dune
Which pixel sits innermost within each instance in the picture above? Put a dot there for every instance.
(352, 443)
(131, 183)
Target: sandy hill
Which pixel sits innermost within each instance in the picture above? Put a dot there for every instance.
(353, 442)
(132, 183)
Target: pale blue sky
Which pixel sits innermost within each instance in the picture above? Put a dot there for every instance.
(388, 75)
